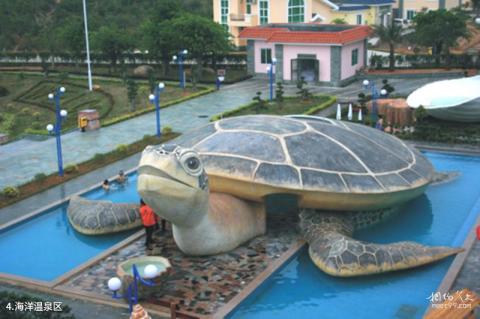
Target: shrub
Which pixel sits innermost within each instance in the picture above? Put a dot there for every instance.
(40, 177)
(72, 168)
(2, 118)
(10, 192)
(37, 125)
(3, 91)
(37, 115)
(279, 92)
(303, 92)
(98, 157)
(167, 130)
(121, 148)
(25, 111)
(260, 102)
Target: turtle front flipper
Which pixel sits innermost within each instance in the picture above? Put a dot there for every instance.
(335, 252)
(444, 177)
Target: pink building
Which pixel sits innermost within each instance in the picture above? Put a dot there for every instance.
(321, 53)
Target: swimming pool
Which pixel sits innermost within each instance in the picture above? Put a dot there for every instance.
(46, 246)
(442, 216)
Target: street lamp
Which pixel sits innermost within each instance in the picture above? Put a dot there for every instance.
(375, 95)
(181, 58)
(114, 284)
(155, 99)
(477, 20)
(271, 73)
(57, 127)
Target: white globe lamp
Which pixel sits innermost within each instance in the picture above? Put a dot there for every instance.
(150, 271)
(114, 284)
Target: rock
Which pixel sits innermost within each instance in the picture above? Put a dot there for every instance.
(142, 70)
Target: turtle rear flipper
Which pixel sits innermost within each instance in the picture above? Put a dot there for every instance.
(336, 253)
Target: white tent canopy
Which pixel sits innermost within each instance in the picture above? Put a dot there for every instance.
(447, 93)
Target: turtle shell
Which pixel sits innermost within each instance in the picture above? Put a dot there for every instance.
(307, 154)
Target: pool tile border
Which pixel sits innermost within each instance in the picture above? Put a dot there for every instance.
(457, 264)
(264, 275)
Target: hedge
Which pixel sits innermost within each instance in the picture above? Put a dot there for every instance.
(312, 110)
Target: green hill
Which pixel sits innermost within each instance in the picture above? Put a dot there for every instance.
(40, 25)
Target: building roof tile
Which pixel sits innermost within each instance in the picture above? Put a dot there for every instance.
(286, 35)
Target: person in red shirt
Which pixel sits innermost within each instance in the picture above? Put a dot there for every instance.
(149, 221)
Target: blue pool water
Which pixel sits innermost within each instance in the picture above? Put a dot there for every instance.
(46, 246)
(442, 216)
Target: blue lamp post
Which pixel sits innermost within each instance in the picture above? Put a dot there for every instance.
(370, 85)
(271, 75)
(155, 99)
(57, 128)
(180, 58)
(114, 284)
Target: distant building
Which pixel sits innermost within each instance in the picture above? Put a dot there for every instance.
(321, 53)
(407, 9)
(239, 14)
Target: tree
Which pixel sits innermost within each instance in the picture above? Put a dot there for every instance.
(339, 21)
(391, 34)
(200, 36)
(157, 34)
(132, 92)
(72, 37)
(303, 92)
(440, 30)
(112, 42)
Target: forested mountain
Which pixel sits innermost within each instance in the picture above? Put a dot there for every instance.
(54, 25)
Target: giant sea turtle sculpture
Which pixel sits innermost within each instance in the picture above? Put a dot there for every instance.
(211, 185)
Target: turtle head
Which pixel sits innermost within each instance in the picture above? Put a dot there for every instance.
(172, 181)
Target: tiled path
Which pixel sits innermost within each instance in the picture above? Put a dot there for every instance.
(197, 284)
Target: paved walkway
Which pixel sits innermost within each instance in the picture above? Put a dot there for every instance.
(20, 161)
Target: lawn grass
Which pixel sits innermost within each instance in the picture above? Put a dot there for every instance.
(289, 105)
(27, 109)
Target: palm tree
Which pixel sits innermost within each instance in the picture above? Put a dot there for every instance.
(392, 34)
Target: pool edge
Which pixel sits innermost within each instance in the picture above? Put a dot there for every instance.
(260, 279)
(457, 264)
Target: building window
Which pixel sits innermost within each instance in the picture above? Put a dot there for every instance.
(249, 7)
(296, 11)
(224, 13)
(355, 57)
(266, 56)
(410, 14)
(263, 5)
(359, 19)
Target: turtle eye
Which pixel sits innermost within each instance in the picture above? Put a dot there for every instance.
(191, 163)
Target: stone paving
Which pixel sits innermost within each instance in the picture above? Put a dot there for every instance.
(197, 284)
(21, 160)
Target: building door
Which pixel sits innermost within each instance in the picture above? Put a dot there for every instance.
(306, 66)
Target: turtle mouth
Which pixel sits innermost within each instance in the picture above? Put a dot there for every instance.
(153, 171)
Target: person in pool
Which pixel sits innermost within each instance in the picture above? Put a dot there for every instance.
(106, 185)
(122, 179)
